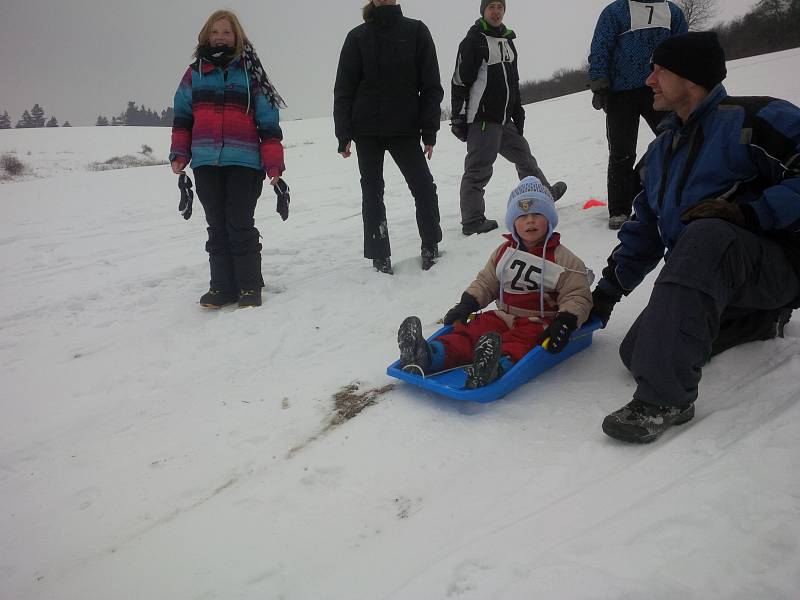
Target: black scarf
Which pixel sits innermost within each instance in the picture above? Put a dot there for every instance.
(218, 56)
(257, 72)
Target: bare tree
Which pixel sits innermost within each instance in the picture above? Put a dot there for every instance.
(698, 13)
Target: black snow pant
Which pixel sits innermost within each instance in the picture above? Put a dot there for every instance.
(721, 286)
(623, 110)
(410, 159)
(229, 196)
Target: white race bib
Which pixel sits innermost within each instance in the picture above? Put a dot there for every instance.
(648, 16)
(521, 272)
(500, 50)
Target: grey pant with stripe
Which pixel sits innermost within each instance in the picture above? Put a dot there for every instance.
(717, 275)
(484, 142)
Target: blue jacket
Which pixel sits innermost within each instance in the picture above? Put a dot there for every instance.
(744, 149)
(625, 37)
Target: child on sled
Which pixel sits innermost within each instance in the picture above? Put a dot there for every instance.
(540, 287)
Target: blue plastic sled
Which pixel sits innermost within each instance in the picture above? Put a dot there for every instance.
(535, 362)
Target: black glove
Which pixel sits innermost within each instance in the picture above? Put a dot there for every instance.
(603, 304)
(600, 99)
(462, 310)
(519, 120)
(742, 215)
(460, 127)
(185, 204)
(559, 331)
(600, 89)
(282, 192)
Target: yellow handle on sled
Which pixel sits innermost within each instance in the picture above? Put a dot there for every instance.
(546, 343)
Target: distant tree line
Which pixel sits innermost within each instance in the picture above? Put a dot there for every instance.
(771, 26)
(30, 119)
(138, 117)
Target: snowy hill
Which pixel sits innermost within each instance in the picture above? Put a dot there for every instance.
(150, 449)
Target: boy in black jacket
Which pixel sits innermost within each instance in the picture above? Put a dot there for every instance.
(487, 113)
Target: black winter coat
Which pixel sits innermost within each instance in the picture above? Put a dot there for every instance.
(388, 81)
(486, 79)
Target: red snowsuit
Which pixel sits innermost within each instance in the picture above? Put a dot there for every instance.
(519, 319)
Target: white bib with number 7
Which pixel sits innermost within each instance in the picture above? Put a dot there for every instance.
(521, 272)
(648, 16)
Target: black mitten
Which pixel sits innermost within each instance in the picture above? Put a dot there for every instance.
(558, 332)
(462, 310)
(185, 204)
(282, 192)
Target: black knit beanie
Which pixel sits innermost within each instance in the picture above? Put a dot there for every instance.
(696, 56)
(485, 3)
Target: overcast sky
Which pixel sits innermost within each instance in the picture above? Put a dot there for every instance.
(82, 58)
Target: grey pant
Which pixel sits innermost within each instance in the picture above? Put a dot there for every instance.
(484, 142)
(715, 270)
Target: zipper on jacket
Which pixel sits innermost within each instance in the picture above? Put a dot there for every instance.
(505, 78)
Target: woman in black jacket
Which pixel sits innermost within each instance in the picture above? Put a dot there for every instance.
(387, 96)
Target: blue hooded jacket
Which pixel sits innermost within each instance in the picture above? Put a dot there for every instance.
(625, 37)
(744, 149)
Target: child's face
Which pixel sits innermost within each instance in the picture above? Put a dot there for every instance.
(222, 34)
(531, 229)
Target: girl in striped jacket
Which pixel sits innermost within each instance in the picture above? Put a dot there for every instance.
(226, 124)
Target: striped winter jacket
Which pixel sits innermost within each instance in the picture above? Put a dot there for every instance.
(486, 81)
(522, 297)
(626, 34)
(222, 118)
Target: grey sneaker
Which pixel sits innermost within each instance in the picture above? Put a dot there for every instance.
(641, 423)
(414, 349)
(558, 189)
(479, 226)
(617, 221)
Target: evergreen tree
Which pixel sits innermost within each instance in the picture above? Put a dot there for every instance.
(5, 122)
(101, 121)
(37, 115)
(25, 121)
(53, 122)
(66, 124)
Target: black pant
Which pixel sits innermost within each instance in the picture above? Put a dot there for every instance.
(721, 286)
(622, 130)
(229, 196)
(410, 159)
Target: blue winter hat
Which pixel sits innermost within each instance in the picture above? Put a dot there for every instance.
(531, 196)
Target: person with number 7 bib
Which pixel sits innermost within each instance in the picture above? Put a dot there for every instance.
(541, 290)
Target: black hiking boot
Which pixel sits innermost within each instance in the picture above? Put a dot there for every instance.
(383, 265)
(414, 350)
(558, 189)
(429, 254)
(485, 366)
(250, 298)
(641, 423)
(479, 226)
(214, 298)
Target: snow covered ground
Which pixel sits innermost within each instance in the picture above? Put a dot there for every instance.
(151, 449)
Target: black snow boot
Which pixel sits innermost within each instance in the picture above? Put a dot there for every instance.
(480, 226)
(429, 254)
(383, 265)
(414, 350)
(214, 298)
(485, 366)
(558, 189)
(250, 298)
(641, 423)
